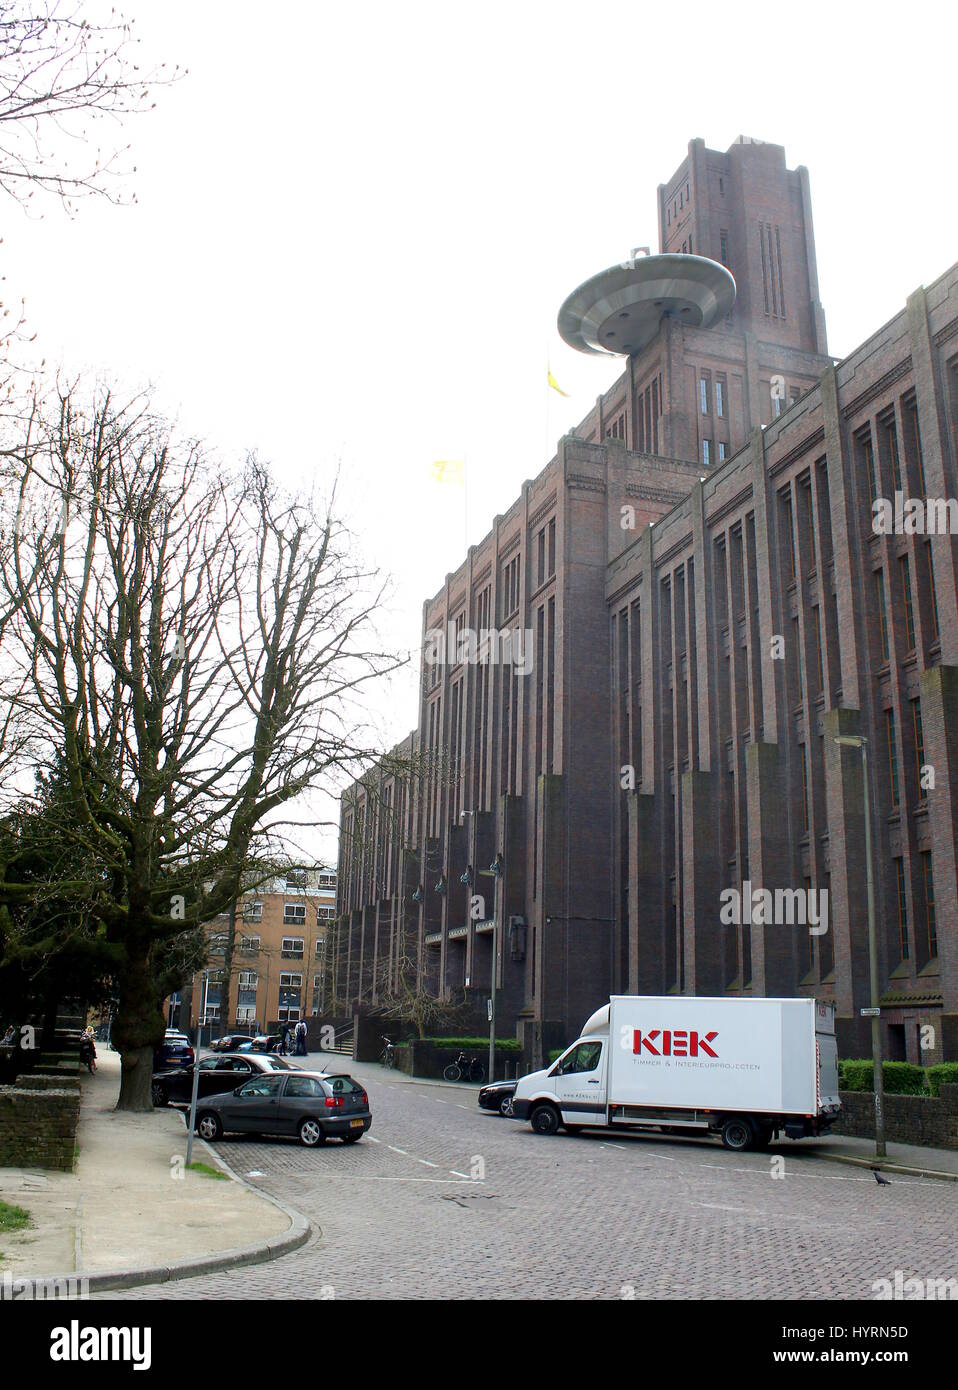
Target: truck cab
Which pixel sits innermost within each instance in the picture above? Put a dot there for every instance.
(571, 1091)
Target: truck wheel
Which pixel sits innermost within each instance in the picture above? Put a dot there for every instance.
(738, 1135)
(544, 1119)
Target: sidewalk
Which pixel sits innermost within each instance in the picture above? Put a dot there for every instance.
(914, 1159)
(131, 1206)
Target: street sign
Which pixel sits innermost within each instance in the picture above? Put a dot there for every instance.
(869, 1013)
(489, 1008)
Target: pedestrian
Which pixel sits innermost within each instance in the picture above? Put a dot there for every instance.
(301, 1038)
(286, 1036)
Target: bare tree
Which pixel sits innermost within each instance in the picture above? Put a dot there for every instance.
(61, 75)
(195, 645)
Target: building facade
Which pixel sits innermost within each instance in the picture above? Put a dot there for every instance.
(698, 626)
(274, 972)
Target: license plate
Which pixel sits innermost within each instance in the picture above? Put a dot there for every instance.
(355, 1124)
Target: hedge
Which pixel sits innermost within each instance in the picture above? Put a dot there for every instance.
(502, 1044)
(900, 1078)
(943, 1074)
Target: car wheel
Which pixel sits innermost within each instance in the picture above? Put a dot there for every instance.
(738, 1135)
(209, 1125)
(311, 1133)
(505, 1106)
(353, 1138)
(158, 1095)
(544, 1119)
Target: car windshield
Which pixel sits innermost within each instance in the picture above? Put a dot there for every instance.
(278, 1064)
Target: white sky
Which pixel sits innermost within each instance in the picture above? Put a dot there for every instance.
(355, 224)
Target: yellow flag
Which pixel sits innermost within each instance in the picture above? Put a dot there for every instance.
(555, 385)
(449, 471)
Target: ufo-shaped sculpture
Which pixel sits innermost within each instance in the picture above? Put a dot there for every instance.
(619, 310)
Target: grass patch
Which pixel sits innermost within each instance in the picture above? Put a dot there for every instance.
(206, 1171)
(13, 1218)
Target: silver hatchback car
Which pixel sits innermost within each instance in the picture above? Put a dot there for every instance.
(314, 1105)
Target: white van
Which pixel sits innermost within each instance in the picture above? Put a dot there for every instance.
(746, 1069)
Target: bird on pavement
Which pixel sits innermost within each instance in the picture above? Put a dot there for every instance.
(882, 1182)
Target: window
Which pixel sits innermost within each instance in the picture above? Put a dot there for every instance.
(868, 459)
(722, 451)
(931, 589)
(929, 904)
(776, 406)
(706, 452)
(894, 454)
(292, 946)
(690, 243)
(892, 756)
(804, 756)
(902, 908)
(685, 248)
(249, 945)
(295, 878)
(668, 217)
(551, 554)
(819, 648)
(721, 185)
(882, 612)
(294, 912)
(704, 394)
(906, 595)
(261, 1086)
(919, 743)
(247, 979)
(290, 981)
(541, 547)
(720, 399)
(723, 244)
(302, 1086)
(253, 912)
(327, 880)
(583, 1058)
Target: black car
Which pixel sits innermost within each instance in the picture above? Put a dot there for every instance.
(176, 1050)
(498, 1096)
(215, 1074)
(312, 1104)
(232, 1042)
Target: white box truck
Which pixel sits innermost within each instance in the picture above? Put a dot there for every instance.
(745, 1069)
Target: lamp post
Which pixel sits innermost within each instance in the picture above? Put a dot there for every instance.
(858, 741)
(196, 1076)
(495, 868)
(468, 878)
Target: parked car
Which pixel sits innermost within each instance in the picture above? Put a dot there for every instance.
(174, 1085)
(176, 1050)
(498, 1096)
(232, 1042)
(312, 1104)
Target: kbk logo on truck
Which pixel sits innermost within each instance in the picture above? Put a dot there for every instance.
(677, 1043)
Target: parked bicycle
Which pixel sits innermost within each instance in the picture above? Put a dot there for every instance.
(464, 1069)
(387, 1056)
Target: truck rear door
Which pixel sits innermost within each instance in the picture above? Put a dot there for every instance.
(580, 1083)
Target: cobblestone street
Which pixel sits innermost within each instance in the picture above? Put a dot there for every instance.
(401, 1214)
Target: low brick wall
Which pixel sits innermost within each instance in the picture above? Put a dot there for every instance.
(38, 1128)
(48, 1081)
(926, 1120)
(429, 1059)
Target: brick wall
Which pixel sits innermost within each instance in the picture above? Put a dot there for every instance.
(38, 1128)
(929, 1121)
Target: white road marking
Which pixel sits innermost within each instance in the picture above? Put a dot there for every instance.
(456, 1174)
(395, 1150)
(425, 1162)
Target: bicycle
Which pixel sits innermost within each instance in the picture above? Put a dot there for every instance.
(464, 1069)
(387, 1056)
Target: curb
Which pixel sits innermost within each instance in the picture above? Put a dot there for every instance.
(97, 1281)
(889, 1166)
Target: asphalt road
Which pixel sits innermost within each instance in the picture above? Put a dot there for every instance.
(443, 1200)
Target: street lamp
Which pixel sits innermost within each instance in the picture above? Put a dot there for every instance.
(858, 741)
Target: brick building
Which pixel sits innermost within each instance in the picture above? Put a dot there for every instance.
(704, 621)
(278, 957)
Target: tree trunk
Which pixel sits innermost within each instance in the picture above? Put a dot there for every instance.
(138, 1028)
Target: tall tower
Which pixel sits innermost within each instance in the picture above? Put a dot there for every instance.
(707, 366)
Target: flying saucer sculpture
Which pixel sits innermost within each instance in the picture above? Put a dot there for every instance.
(619, 310)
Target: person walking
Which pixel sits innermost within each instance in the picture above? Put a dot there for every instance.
(286, 1037)
(301, 1038)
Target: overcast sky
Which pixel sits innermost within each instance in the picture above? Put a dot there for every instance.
(356, 222)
